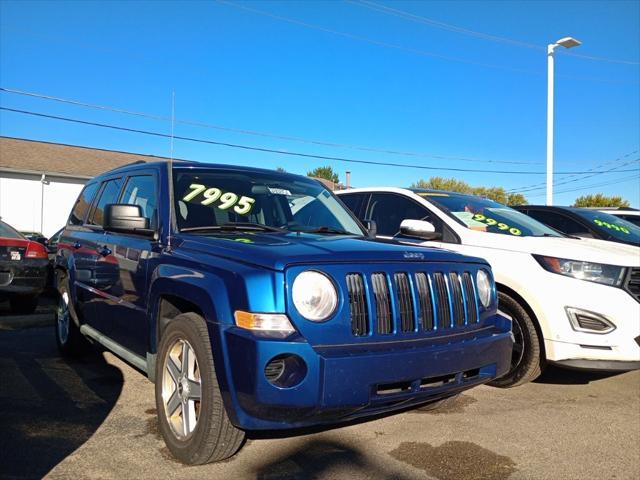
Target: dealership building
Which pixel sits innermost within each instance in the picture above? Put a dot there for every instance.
(40, 181)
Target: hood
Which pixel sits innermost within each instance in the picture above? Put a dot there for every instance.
(277, 251)
(590, 250)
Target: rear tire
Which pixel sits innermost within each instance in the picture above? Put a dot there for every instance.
(191, 414)
(71, 343)
(23, 304)
(527, 359)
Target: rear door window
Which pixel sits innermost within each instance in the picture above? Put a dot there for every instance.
(83, 203)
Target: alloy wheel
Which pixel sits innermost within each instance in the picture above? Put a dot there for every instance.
(181, 388)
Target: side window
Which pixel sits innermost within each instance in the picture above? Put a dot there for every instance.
(82, 205)
(572, 227)
(108, 194)
(354, 202)
(388, 210)
(552, 219)
(141, 190)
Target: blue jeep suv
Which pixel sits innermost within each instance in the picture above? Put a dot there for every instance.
(255, 300)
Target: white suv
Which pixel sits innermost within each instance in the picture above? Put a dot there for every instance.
(574, 302)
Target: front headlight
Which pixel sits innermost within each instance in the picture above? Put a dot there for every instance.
(314, 295)
(591, 272)
(483, 282)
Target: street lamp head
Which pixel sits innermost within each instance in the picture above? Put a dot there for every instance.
(568, 42)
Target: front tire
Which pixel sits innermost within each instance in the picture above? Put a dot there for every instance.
(191, 414)
(527, 359)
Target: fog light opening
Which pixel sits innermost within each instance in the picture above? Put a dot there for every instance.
(285, 371)
(589, 322)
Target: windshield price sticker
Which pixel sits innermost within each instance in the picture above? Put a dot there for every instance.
(241, 205)
(611, 226)
(492, 222)
(279, 191)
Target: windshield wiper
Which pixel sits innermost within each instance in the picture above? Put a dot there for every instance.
(234, 226)
(325, 229)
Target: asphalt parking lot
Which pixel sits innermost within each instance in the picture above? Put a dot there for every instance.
(95, 418)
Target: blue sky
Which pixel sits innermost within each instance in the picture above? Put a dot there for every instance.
(383, 84)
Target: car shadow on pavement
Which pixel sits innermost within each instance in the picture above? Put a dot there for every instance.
(49, 406)
(553, 375)
(320, 458)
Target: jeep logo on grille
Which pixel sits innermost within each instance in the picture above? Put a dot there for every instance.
(414, 256)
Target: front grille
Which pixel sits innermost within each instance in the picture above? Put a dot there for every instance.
(384, 322)
(442, 297)
(405, 303)
(424, 301)
(411, 302)
(633, 283)
(358, 304)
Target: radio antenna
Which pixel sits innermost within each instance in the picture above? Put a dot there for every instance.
(170, 171)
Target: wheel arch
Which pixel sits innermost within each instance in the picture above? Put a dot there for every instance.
(177, 290)
(502, 288)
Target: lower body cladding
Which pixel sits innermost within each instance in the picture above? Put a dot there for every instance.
(279, 384)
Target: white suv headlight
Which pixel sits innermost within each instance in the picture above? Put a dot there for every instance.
(314, 296)
(591, 272)
(483, 283)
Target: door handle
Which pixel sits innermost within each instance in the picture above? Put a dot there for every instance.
(104, 251)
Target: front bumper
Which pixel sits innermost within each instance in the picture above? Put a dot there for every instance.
(26, 277)
(550, 294)
(346, 382)
(600, 365)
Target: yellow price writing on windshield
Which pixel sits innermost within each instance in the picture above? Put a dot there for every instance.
(492, 222)
(611, 226)
(241, 205)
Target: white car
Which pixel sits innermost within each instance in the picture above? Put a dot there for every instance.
(629, 214)
(574, 302)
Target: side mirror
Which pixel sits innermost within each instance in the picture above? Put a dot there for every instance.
(420, 229)
(371, 227)
(125, 219)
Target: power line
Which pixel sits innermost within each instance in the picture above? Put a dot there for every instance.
(611, 170)
(587, 187)
(540, 186)
(256, 133)
(372, 41)
(281, 152)
(384, 9)
(414, 51)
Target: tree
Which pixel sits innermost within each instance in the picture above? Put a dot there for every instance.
(281, 170)
(497, 194)
(601, 200)
(324, 172)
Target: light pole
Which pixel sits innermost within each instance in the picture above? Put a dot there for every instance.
(566, 42)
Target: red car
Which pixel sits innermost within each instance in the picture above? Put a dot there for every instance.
(23, 270)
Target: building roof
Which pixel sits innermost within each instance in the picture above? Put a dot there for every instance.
(19, 155)
(30, 156)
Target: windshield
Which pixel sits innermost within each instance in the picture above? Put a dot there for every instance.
(608, 224)
(7, 232)
(486, 215)
(207, 200)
